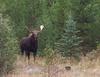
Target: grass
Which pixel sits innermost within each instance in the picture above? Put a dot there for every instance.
(89, 66)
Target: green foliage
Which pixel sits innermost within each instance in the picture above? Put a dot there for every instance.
(86, 13)
(69, 44)
(49, 54)
(53, 15)
(8, 45)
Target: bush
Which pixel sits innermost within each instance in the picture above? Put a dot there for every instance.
(8, 45)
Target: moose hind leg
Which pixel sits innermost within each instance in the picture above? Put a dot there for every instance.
(22, 52)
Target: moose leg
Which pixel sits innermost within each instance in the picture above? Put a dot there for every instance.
(28, 56)
(22, 52)
(34, 55)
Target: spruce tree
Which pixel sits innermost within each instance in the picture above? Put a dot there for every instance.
(69, 44)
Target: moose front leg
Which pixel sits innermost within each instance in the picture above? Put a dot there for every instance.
(27, 57)
(34, 56)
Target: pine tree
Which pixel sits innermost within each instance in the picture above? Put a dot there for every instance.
(69, 43)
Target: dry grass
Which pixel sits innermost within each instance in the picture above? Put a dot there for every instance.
(89, 66)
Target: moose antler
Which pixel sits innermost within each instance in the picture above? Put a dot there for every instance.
(29, 28)
(35, 30)
(38, 29)
(41, 27)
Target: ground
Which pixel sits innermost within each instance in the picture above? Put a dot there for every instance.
(40, 69)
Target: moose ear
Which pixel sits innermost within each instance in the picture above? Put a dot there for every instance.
(41, 27)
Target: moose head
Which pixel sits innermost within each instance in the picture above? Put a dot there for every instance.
(35, 31)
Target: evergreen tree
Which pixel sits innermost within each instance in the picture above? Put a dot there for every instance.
(69, 43)
(85, 12)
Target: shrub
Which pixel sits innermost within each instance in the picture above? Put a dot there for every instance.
(8, 45)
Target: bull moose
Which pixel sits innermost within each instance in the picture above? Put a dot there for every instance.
(29, 44)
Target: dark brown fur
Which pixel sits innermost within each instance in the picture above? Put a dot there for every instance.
(29, 45)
